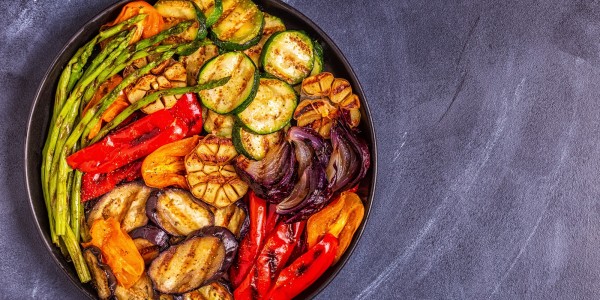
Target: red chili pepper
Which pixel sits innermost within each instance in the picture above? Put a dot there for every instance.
(245, 291)
(272, 218)
(96, 185)
(140, 138)
(275, 254)
(273, 257)
(252, 243)
(305, 270)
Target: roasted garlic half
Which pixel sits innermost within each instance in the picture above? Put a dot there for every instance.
(210, 173)
(169, 74)
(324, 98)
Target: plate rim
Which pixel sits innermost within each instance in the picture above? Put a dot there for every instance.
(356, 85)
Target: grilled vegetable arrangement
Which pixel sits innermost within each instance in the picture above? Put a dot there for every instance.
(199, 150)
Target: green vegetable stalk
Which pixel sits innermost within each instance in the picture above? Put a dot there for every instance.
(150, 99)
(69, 128)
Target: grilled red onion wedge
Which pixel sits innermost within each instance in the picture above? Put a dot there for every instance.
(310, 193)
(273, 177)
(350, 158)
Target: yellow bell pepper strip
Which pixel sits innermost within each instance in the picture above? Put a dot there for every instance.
(118, 251)
(166, 165)
(340, 218)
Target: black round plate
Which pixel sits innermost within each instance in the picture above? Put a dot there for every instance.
(39, 119)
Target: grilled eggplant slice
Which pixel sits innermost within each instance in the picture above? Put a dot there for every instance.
(178, 212)
(234, 217)
(102, 277)
(140, 290)
(210, 174)
(126, 203)
(213, 291)
(202, 258)
(149, 240)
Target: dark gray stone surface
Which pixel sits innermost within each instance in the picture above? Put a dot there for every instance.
(488, 119)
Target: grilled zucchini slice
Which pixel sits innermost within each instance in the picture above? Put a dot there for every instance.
(212, 10)
(319, 63)
(251, 145)
(289, 56)
(272, 24)
(196, 60)
(241, 28)
(272, 107)
(176, 11)
(238, 92)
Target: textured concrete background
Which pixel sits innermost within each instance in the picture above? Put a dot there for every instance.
(488, 118)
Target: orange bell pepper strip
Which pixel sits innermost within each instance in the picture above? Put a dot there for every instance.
(152, 24)
(118, 251)
(166, 166)
(113, 110)
(341, 218)
(356, 212)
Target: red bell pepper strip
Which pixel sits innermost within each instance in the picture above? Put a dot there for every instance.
(252, 243)
(275, 254)
(188, 110)
(96, 185)
(245, 290)
(305, 270)
(273, 257)
(272, 218)
(140, 138)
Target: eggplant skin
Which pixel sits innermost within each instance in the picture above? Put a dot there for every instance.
(152, 234)
(103, 279)
(202, 258)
